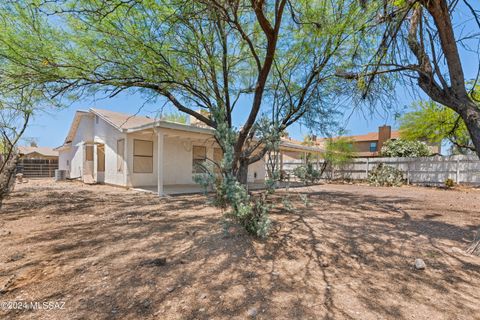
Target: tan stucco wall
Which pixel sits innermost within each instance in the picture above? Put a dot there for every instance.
(362, 146)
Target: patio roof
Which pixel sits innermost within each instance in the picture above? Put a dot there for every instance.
(134, 123)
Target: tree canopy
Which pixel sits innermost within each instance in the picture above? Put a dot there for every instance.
(274, 58)
(249, 69)
(339, 151)
(422, 41)
(434, 123)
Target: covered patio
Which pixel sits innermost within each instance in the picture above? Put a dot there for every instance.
(176, 149)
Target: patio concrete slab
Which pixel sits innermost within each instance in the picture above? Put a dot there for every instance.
(179, 189)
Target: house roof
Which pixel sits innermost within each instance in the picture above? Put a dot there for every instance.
(73, 127)
(371, 136)
(45, 151)
(122, 120)
(133, 123)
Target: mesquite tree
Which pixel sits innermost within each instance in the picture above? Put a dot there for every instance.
(423, 40)
(15, 112)
(264, 57)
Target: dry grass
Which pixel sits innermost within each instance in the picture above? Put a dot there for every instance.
(347, 255)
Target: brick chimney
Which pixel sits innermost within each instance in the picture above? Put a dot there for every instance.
(384, 134)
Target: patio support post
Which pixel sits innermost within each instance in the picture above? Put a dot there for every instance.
(126, 165)
(281, 161)
(160, 160)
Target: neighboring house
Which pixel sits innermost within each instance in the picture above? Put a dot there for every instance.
(370, 144)
(103, 146)
(37, 162)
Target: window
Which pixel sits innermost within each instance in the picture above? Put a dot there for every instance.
(120, 152)
(142, 156)
(199, 157)
(373, 146)
(96, 119)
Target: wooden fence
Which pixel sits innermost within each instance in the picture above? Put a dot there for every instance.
(37, 168)
(428, 170)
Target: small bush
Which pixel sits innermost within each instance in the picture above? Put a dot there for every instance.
(248, 211)
(449, 183)
(258, 222)
(383, 175)
(306, 173)
(287, 204)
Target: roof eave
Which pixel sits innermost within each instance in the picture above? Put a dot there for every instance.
(171, 125)
(64, 146)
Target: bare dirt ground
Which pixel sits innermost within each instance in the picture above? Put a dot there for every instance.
(348, 254)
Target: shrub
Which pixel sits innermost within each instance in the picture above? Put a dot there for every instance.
(383, 175)
(206, 180)
(404, 148)
(252, 214)
(307, 173)
(449, 183)
(240, 207)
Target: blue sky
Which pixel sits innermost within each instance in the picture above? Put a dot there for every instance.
(50, 127)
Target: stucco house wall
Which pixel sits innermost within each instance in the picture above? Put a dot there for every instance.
(256, 171)
(141, 179)
(104, 129)
(72, 158)
(178, 161)
(105, 133)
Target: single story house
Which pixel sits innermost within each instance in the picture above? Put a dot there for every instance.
(35, 152)
(37, 162)
(133, 151)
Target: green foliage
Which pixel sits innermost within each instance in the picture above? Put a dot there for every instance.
(252, 214)
(207, 178)
(339, 151)
(175, 117)
(384, 175)
(404, 148)
(205, 55)
(198, 54)
(307, 173)
(287, 204)
(434, 123)
(243, 209)
(449, 183)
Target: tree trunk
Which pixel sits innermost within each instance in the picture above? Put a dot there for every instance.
(7, 177)
(471, 115)
(242, 172)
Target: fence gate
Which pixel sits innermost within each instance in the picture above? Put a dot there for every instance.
(37, 168)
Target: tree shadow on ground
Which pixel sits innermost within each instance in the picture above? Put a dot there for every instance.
(344, 256)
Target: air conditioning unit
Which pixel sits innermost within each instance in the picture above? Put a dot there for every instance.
(61, 175)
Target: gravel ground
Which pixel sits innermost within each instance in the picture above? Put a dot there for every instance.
(100, 252)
